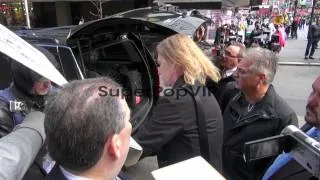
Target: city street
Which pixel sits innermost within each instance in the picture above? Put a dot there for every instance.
(292, 82)
(293, 52)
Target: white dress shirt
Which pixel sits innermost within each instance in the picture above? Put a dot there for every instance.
(71, 176)
(229, 72)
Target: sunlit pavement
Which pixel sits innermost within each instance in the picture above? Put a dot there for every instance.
(293, 52)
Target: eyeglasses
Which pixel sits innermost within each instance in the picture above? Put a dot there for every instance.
(228, 54)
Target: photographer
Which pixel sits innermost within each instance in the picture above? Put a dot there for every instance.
(26, 93)
(285, 167)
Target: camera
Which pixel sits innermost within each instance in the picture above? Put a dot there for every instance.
(304, 149)
(15, 106)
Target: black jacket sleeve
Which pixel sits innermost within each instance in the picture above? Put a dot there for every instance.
(164, 124)
(291, 119)
(6, 122)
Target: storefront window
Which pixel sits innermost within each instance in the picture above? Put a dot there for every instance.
(12, 14)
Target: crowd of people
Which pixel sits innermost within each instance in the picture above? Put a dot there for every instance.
(73, 133)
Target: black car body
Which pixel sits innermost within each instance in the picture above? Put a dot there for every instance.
(66, 62)
(119, 47)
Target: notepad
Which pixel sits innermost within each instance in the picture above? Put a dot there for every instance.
(194, 168)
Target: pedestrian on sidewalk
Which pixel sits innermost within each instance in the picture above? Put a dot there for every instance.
(313, 39)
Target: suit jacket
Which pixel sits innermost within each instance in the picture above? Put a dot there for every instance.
(226, 90)
(171, 133)
(56, 174)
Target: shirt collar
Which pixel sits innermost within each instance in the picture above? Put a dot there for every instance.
(71, 176)
(229, 72)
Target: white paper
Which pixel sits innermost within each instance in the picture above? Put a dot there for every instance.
(20, 50)
(134, 154)
(134, 144)
(191, 169)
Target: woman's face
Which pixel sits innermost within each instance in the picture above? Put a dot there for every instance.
(166, 71)
(41, 87)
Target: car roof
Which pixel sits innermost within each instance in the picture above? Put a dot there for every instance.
(46, 35)
(175, 20)
(116, 25)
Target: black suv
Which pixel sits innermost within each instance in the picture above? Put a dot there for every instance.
(119, 46)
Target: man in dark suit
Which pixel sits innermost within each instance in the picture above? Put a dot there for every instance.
(226, 88)
(87, 130)
(313, 39)
(285, 167)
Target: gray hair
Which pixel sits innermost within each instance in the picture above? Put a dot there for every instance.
(264, 61)
(79, 120)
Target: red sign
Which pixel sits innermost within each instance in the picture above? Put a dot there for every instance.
(6, 7)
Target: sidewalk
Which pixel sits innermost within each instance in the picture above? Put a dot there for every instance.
(293, 52)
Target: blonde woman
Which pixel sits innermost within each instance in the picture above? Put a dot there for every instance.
(172, 133)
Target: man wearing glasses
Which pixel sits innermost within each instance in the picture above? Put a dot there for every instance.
(226, 89)
(256, 112)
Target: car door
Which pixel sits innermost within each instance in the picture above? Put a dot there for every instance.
(121, 48)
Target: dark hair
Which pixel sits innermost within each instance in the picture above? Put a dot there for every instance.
(79, 121)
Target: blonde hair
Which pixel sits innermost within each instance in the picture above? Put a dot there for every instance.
(181, 50)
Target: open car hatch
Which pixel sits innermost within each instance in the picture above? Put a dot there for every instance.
(121, 48)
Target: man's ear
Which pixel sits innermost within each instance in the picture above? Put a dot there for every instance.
(262, 78)
(113, 147)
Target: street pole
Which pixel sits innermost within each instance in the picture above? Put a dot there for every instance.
(27, 13)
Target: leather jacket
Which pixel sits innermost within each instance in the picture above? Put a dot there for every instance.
(6, 117)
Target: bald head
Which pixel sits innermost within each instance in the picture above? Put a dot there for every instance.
(235, 49)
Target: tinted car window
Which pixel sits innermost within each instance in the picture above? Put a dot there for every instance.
(67, 66)
(5, 74)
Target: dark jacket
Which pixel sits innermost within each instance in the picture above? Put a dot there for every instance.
(56, 174)
(267, 118)
(8, 122)
(171, 133)
(226, 90)
(314, 33)
(23, 80)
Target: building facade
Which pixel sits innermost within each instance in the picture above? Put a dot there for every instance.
(51, 13)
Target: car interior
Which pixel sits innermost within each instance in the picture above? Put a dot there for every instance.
(123, 57)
